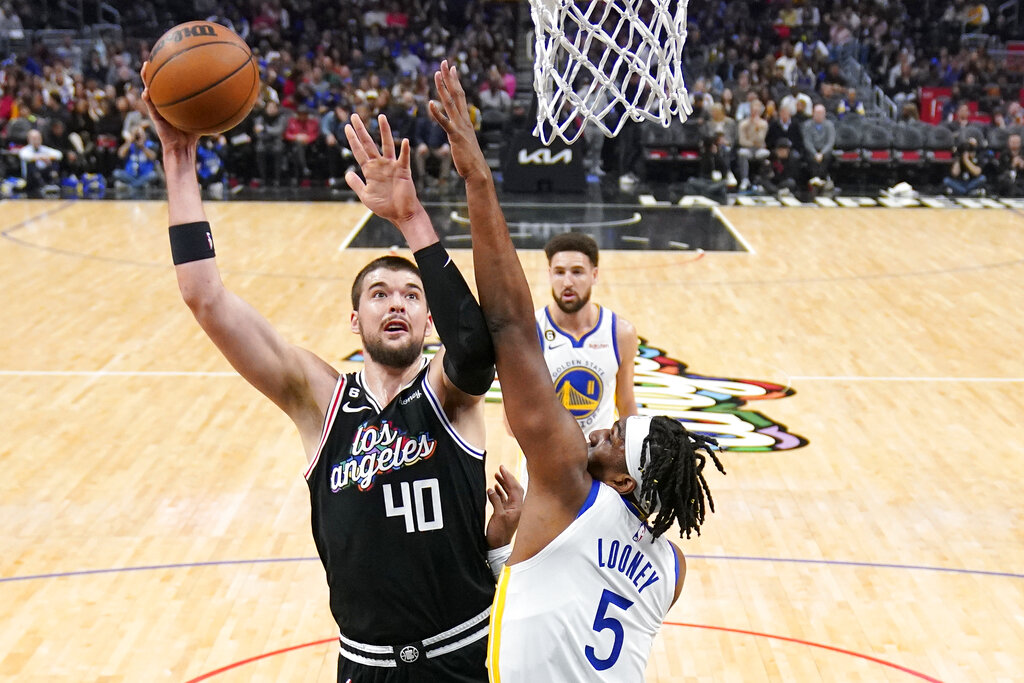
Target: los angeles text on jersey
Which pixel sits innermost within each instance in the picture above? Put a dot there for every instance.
(614, 555)
(376, 450)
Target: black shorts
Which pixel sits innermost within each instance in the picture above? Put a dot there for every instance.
(465, 665)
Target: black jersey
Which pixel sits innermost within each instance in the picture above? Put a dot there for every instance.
(398, 503)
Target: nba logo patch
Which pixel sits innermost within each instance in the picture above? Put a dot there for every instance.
(639, 535)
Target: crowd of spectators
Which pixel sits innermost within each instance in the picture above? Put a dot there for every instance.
(320, 63)
(770, 82)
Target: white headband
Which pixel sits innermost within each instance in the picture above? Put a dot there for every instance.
(637, 429)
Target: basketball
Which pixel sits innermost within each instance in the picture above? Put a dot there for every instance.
(202, 77)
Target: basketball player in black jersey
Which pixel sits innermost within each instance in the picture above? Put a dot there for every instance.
(395, 451)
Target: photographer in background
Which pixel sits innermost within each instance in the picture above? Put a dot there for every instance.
(965, 176)
(139, 153)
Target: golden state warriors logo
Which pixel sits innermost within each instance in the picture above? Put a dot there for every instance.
(580, 390)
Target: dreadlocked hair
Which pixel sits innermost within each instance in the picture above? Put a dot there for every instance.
(673, 462)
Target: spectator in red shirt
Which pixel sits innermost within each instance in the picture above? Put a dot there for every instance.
(301, 132)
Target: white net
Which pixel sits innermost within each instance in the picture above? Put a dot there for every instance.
(601, 62)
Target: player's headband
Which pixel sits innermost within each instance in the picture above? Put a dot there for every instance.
(637, 429)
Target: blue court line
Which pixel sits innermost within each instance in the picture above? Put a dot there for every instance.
(741, 558)
(850, 563)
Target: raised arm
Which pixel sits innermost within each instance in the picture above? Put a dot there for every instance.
(554, 446)
(464, 369)
(297, 381)
(628, 343)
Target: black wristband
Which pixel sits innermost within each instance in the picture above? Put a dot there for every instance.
(191, 242)
(460, 323)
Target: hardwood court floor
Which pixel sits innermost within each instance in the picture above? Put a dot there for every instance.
(155, 520)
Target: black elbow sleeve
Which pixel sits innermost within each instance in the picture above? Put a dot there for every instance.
(469, 351)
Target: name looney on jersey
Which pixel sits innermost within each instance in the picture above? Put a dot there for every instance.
(377, 450)
(628, 561)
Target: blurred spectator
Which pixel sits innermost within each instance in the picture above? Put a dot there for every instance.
(302, 130)
(40, 164)
(752, 133)
(793, 97)
(965, 175)
(494, 97)
(339, 156)
(783, 168)
(1010, 168)
(139, 155)
(719, 134)
(850, 105)
(210, 164)
(783, 126)
(68, 144)
(268, 129)
(819, 138)
(431, 143)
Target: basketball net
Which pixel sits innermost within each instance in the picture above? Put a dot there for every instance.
(601, 62)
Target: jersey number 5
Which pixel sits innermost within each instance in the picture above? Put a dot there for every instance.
(414, 510)
(603, 622)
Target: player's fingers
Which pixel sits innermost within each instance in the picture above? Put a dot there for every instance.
(404, 153)
(455, 86)
(511, 485)
(496, 501)
(142, 71)
(364, 137)
(387, 142)
(436, 113)
(355, 144)
(356, 183)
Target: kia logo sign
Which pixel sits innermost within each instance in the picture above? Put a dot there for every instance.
(544, 157)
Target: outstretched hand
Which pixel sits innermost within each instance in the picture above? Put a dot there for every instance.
(507, 500)
(452, 114)
(388, 190)
(171, 139)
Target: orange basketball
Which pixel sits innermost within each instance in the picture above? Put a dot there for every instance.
(202, 77)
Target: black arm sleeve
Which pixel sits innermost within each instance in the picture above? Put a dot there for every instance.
(469, 352)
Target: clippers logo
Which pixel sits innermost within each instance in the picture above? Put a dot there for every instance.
(717, 406)
(544, 157)
(378, 450)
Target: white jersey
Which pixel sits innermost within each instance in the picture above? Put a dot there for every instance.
(583, 370)
(586, 607)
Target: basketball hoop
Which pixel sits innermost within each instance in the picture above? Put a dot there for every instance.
(599, 62)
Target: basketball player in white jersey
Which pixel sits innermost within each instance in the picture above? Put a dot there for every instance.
(589, 349)
(591, 576)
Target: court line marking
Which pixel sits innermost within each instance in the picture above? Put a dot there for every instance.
(857, 378)
(683, 283)
(229, 373)
(740, 558)
(360, 224)
(787, 639)
(717, 212)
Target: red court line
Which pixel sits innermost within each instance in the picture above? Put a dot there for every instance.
(243, 662)
(916, 674)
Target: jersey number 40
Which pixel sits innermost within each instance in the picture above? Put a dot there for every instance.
(413, 508)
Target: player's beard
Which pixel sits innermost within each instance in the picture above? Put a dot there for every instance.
(576, 304)
(393, 356)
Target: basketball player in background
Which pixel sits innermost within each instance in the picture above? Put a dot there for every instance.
(589, 350)
(591, 575)
(395, 452)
